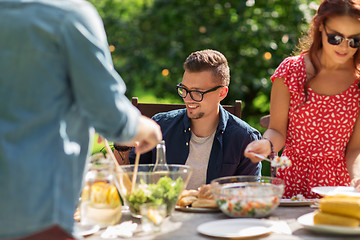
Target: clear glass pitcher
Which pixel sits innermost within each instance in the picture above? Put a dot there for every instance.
(100, 202)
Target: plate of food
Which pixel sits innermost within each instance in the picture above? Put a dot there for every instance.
(197, 209)
(236, 228)
(307, 221)
(298, 200)
(201, 200)
(344, 190)
(294, 203)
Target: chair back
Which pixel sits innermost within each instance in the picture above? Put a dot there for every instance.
(264, 121)
(150, 109)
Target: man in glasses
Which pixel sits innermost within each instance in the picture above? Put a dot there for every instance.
(204, 135)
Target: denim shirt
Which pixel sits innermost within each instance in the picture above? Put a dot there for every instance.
(227, 153)
(57, 84)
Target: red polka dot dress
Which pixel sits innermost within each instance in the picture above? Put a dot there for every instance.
(318, 132)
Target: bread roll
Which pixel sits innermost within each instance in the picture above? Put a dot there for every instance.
(202, 198)
(204, 203)
(191, 192)
(186, 201)
(205, 192)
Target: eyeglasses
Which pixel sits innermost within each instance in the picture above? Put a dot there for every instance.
(196, 95)
(335, 39)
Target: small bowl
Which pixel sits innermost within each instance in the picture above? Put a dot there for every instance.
(248, 196)
(155, 188)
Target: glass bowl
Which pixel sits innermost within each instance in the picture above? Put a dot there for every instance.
(248, 196)
(156, 188)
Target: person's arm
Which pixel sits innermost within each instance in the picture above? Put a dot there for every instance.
(97, 89)
(148, 135)
(276, 133)
(353, 156)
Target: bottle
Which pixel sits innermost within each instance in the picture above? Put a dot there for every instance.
(160, 164)
(100, 202)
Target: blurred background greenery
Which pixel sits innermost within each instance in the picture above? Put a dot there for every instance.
(150, 40)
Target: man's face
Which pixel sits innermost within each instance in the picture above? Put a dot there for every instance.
(202, 81)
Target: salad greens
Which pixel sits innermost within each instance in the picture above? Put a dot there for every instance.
(166, 191)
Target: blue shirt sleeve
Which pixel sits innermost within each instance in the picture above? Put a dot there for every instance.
(100, 95)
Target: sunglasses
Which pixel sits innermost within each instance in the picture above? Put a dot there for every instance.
(335, 39)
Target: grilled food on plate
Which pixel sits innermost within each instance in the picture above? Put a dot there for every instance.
(340, 210)
(334, 219)
(200, 198)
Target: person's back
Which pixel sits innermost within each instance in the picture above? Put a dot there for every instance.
(50, 92)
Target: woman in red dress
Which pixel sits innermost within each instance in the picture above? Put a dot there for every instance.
(315, 102)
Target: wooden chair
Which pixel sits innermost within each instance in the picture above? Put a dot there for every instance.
(150, 109)
(264, 121)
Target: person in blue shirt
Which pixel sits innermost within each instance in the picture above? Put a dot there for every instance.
(204, 135)
(58, 84)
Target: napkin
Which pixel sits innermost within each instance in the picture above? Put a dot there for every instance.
(282, 227)
(125, 229)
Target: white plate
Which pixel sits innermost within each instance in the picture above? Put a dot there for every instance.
(235, 228)
(196, 209)
(307, 221)
(85, 230)
(336, 190)
(289, 202)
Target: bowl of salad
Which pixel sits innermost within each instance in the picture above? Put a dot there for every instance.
(152, 187)
(248, 196)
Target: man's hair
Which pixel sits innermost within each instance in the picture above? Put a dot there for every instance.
(209, 60)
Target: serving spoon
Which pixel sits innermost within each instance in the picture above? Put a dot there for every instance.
(262, 157)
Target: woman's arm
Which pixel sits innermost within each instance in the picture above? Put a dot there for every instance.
(276, 133)
(279, 114)
(353, 156)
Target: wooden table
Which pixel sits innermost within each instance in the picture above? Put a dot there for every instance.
(183, 225)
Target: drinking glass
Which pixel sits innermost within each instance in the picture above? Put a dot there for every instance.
(152, 216)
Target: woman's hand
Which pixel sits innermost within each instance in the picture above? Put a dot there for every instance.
(356, 184)
(261, 147)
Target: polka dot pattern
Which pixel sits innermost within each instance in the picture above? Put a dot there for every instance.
(318, 132)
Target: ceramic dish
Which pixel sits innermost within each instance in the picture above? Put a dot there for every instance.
(323, 191)
(294, 203)
(236, 228)
(307, 221)
(86, 230)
